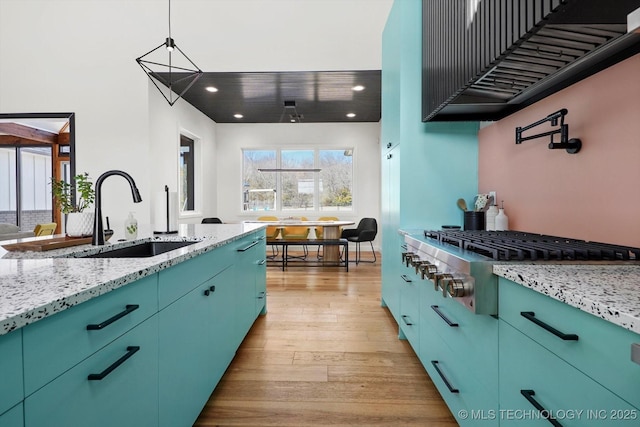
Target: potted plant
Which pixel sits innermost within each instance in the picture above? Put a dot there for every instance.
(78, 222)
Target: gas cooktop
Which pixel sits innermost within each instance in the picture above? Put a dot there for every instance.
(523, 246)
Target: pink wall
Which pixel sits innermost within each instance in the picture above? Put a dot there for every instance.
(592, 195)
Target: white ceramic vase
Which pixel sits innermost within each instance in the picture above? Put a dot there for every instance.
(79, 224)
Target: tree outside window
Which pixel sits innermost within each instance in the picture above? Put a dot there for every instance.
(293, 186)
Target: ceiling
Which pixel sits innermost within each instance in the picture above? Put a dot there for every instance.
(318, 96)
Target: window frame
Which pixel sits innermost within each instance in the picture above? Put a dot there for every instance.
(197, 174)
(317, 206)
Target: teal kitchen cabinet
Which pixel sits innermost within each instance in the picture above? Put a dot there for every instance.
(116, 386)
(439, 161)
(14, 417)
(182, 278)
(392, 242)
(593, 346)
(410, 307)
(250, 266)
(11, 385)
(55, 344)
(196, 346)
(459, 350)
(535, 382)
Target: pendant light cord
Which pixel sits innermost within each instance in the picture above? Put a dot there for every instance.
(169, 18)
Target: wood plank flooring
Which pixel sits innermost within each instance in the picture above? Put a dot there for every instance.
(326, 354)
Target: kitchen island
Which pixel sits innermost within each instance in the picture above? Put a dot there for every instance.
(126, 341)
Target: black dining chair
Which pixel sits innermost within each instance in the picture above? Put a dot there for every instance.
(365, 232)
(211, 221)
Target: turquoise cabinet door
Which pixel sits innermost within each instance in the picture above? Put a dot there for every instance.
(125, 397)
(602, 350)
(410, 307)
(567, 393)
(13, 417)
(55, 344)
(261, 278)
(182, 278)
(11, 385)
(197, 344)
(391, 240)
(250, 252)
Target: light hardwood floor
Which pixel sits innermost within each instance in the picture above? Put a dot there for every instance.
(326, 354)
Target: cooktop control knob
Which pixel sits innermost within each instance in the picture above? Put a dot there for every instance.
(419, 265)
(405, 255)
(456, 288)
(437, 278)
(428, 270)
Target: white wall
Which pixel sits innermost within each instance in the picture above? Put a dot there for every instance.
(79, 56)
(363, 137)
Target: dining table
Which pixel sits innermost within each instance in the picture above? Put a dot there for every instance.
(331, 231)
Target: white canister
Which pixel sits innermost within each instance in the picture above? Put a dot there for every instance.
(490, 218)
(502, 221)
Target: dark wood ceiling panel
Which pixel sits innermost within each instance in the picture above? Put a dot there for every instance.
(320, 96)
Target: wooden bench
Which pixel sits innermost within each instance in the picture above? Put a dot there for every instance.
(285, 243)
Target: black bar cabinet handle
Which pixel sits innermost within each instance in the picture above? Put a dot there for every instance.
(131, 350)
(261, 295)
(441, 314)
(528, 394)
(128, 309)
(404, 319)
(249, 247)
(406, 278)
(262, 262)
(531, 316)
(444, 379)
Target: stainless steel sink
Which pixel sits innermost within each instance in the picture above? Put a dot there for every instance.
(141, 250)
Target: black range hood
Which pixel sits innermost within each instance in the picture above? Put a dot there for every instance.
(531, 48)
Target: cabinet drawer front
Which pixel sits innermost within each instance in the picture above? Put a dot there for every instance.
(602, 351)
(55, 344)
(410, 307)
(11, 385)
(573, 397)
(458, 385)
(474, 337)
(128, 396)
(182, 278)
(13, 417)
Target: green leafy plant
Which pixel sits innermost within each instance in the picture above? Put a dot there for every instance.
(62, 195)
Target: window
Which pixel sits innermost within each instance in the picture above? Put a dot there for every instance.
(187, 174)
(25, 188)
(297, 180)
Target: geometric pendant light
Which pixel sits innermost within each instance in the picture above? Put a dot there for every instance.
(177, 73)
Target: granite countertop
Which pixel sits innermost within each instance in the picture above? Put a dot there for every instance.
(611, 292)
(34, 285)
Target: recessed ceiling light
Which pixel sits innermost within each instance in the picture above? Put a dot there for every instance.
(212, 89)
(358, 88)
(238, 116)
(351, 115)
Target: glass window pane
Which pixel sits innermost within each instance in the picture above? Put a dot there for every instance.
(35, 187)
(187, 174)
(8, 209)
(298, 188)
(336, 180)
(258, 188)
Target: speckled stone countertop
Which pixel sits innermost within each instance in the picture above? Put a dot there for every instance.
(34, 285)
(611, 292)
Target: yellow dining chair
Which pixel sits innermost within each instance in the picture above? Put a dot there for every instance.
(46, 229)
(297, 232)
(320, 232)
(272, 233)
